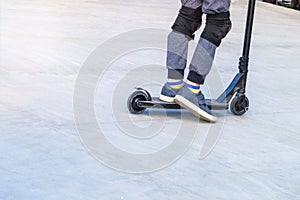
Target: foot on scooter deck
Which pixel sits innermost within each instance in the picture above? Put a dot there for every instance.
(141, 99)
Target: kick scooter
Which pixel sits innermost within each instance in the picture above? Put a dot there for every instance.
(141, 99)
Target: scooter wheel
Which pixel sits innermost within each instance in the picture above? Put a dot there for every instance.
(133, 101)
(239, 105)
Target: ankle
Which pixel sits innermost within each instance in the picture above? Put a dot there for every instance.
(175, 83)
(193, 87)
(192, 83)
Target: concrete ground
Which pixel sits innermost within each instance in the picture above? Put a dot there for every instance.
(44, 45)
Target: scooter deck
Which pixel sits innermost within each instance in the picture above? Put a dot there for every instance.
(155, 102)
(215, 105)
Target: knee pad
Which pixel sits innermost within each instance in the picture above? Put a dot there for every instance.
(216, 28)
(188, 21)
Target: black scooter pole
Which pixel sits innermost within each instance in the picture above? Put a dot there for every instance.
(249, 26)
(244, 60)
(238, 84)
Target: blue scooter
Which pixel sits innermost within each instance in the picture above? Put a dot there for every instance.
(235, 93)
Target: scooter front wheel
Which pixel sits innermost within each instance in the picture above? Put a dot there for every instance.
(239, 105)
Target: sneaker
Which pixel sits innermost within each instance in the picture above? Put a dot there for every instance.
(168, 93)
(194, 103)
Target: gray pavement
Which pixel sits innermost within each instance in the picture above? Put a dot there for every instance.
(43, 46)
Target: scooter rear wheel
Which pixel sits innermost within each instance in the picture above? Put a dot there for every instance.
(133, 101)
(239, 105)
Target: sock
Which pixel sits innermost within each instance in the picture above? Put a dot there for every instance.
(193, 88)
(175, 84)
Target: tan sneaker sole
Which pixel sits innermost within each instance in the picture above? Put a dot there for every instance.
(166, 98)
(198, 112)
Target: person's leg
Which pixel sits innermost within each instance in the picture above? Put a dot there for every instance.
(217, 26)
(186, 24)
